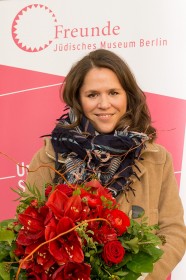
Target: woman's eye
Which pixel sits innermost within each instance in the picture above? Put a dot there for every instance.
(113, 93)
(92, 95)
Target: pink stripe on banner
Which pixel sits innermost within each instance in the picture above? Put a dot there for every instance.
(17, 79)
(168, 116)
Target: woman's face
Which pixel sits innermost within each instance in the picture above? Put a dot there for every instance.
(103, 99)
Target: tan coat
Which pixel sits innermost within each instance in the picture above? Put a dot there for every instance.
(156, 192)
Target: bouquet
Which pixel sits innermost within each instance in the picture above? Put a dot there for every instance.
(75, 232)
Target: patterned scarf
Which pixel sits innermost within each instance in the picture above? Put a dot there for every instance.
(109, 157)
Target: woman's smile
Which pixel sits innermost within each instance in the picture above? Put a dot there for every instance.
(104, 116)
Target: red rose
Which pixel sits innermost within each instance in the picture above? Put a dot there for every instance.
(104, 233)
(113, 252)
(119, 220)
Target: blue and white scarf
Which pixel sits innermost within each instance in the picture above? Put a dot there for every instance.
(108, 157)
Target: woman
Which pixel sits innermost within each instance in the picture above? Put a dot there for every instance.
(107, 132)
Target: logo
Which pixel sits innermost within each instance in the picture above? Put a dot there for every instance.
(33, 28)
(36, 27)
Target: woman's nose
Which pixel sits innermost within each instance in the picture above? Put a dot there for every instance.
(104, 102)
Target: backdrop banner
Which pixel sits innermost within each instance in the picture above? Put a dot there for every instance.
(40, 40)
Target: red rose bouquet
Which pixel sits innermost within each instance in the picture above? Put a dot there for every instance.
(75, 232)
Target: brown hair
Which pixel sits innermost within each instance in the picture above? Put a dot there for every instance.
(137, 116)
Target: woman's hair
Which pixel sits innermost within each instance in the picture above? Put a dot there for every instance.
(137, 116)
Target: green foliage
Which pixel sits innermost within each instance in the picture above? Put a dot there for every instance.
(7, 235)
(77, 192)
(6, 223)
(141, 262)
(9, 270)
(4, 272)
(32, 194)
(106, 202)
(142, 252)
(87, 240)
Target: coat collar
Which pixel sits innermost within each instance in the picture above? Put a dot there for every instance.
(149, 153)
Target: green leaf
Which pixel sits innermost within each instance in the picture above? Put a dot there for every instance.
(132, 244)
(106, 202)
(5, 223)
(32, 193)
(127, 258)
(7, 235)
(4, 250)
(13, 272)
(4, 272)
(132, 276)
(121, 273)
(154, 252)
(141, 262)
(152, 237)
(77, 192)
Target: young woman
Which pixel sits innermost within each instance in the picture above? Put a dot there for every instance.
(107, 132)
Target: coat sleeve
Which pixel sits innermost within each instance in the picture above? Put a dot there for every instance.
(41, 169)
(171, 224)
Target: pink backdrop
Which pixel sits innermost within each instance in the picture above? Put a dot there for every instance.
(30, 104)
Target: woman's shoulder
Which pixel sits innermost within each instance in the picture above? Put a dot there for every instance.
(154, 152)
(44, 154)
(47, 151)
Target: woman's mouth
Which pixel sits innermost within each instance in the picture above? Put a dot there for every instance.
(104, 116)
